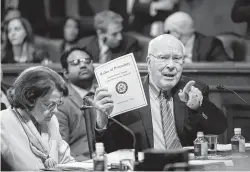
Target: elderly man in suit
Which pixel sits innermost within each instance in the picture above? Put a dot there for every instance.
(109, 43)
(178, 107)
(198, 46)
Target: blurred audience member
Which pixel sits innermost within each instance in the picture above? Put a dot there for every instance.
(110, 43)
(19, 46)
(198, 46)
(9, 14)
(241, 13)
(149, 15)
(71, 33)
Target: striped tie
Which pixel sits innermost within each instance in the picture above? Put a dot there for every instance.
(168, 124)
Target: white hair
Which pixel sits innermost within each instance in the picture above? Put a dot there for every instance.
(167, 39)
(180, 21)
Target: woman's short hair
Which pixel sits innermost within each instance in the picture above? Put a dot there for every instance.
(105, 18)
(33, 83)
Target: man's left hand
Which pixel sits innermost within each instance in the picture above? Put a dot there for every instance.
(191, 95)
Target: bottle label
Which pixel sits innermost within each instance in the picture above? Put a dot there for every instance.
(235, 145)
(99, 165)
(242, 145)
(200, 149)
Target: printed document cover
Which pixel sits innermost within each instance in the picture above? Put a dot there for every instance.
(122, 78)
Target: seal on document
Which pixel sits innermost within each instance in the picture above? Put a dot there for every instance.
(121, 87)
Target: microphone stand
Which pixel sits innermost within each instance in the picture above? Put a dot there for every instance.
(115, 121)
(221, 87)
(88, 123)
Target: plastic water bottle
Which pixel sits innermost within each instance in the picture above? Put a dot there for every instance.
(200, 145)
(238, 141)
(100, 158)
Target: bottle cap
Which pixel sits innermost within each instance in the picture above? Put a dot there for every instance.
(99, 147)
(237, 130)
(200, 134)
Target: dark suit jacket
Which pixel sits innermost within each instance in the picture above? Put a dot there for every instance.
(72, 125)
(127, 45)
(188, 122)
(207, 48)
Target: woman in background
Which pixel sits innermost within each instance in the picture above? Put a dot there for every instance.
(71, 33)
(30, 137)
(19, 46)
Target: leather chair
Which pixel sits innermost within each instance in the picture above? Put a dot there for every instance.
(52, 46)
(234, 45)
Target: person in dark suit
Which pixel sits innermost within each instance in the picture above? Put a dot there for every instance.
(79, 72)
(109, 43)
(198, 46)
(182, 100)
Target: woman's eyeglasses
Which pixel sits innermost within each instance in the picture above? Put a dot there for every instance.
(52, 105)
(78, 61)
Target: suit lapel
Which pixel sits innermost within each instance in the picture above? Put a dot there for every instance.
(195, 51)
(145, 113)
(75, 97)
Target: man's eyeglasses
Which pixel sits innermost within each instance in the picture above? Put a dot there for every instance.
(52, 105)
(162, 59)
(78, 61)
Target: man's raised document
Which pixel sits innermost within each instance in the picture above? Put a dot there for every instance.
(122, 78)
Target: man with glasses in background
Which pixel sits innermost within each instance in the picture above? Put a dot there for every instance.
(78, 70)
(178, 107)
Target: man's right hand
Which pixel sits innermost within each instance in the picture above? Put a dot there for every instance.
(104, 102)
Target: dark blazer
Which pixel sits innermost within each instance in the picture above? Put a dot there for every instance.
(72, 125)
(208, 48)
(127, 45)
(188, 122)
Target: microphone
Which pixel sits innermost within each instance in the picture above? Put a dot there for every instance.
(221, 87)
(89, 101)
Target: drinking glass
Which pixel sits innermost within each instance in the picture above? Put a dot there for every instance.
(212, 143)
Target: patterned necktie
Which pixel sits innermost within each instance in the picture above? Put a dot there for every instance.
(168, 124)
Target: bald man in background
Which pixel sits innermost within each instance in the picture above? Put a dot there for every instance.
(198, 46)
(178, 106)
